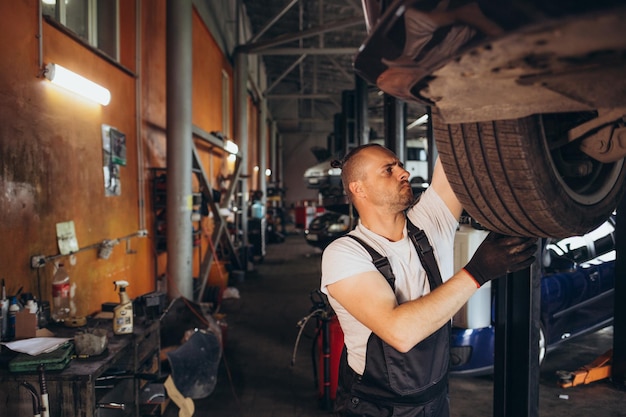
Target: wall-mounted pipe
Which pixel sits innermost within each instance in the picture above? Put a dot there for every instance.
(39, 261)
(141, 203)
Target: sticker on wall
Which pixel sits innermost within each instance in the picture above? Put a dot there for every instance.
(114, 156)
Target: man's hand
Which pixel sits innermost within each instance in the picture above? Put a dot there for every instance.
(499, 255)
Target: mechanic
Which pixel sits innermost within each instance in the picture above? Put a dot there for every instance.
(396, 332)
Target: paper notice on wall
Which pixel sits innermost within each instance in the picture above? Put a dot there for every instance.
(66, 237)
(114, 157)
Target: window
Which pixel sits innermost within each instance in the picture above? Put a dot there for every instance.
(95, 21)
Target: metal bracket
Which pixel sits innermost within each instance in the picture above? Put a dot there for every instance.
(603, 138)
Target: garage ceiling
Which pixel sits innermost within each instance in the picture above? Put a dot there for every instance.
(307, 48)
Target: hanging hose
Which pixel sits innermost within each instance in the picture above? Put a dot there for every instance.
(321, 309)
(35, 397)
(302, 324)
(324, 313)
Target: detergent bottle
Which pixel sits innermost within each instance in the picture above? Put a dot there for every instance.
(123, 312)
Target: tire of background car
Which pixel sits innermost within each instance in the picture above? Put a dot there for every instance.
(542, 345)
(518, 177)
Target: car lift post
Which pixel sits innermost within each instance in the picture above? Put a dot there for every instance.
(618, 365)
(516, 364)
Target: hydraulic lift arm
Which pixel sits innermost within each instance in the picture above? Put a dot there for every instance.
(594, 371)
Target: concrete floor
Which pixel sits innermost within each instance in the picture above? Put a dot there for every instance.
(256, 378)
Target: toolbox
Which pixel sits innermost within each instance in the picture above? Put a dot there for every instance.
(53, 361)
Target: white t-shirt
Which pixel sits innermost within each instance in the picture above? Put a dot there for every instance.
(345, 258)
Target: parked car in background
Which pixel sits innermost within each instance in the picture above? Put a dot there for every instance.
(327, 180)
(576, 298)
(327, 227)
(324, 178)
(527, 100)
(332, 224)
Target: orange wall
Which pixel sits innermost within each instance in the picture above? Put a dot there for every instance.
(51, 167)
(52, 163)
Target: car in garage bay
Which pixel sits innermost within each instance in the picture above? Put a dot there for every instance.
(527, 102)
(326, 227)
(577, 285)
(342, 218)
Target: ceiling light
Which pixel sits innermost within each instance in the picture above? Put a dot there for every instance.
(77, 84)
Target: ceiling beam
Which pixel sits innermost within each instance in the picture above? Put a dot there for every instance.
(297, 96)
(255, 47)
(309, 51)
(341, 69)
(305, 120)
(273, 20)
(284, 74)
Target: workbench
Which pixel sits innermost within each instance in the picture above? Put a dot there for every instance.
(105, 385)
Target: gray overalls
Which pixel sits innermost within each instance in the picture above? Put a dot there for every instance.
(412, 384)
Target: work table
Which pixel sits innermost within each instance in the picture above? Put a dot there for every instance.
(96, 386)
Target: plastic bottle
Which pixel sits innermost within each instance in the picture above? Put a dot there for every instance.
(123, 312)
(13, 309)
(258, 210)
(4, 313)
(60, 295)
(32, 308)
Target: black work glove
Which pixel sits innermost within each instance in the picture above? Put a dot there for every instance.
(499, 255)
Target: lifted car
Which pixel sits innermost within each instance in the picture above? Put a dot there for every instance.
(576, 299)
(528, 102)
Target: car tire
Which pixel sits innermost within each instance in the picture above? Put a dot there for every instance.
(514, 177)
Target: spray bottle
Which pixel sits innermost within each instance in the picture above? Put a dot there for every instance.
(123, 312)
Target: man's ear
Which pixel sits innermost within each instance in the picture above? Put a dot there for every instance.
(356, 188)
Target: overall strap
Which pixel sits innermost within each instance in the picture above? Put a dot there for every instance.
(424, 251)
(380, 262)
(426, 254)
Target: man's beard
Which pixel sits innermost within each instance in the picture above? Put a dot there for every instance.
(404, 199)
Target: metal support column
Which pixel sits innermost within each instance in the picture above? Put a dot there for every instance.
(241, 136)
(618, 364)
(274, 152)
(516, 366)
(395, 125)
(362, 122)
(179, 148)
(263, 140)
(432, 145)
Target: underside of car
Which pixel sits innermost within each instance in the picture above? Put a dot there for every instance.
(528, 103)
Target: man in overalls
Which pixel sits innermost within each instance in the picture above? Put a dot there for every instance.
(396, 323)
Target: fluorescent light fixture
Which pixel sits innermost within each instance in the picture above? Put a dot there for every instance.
(231, 147)
(77, 84)
(419, 121)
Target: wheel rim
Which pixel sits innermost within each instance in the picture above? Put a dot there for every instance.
(585, 180)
